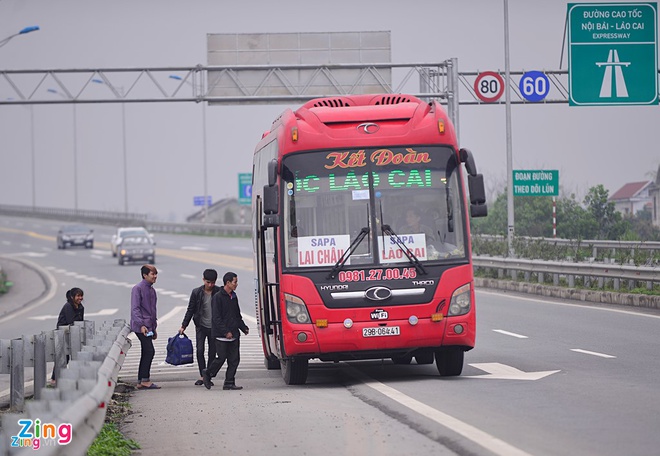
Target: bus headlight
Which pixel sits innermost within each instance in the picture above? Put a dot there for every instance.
(460, 301)
(296, 311)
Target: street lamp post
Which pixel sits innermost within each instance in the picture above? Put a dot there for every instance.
(32, 28)
(3, 42)
(32, 155)
(120, 90)
(204, 154)
(75, 149)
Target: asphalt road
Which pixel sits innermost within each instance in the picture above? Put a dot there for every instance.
(546, 377)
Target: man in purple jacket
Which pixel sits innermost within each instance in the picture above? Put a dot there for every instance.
(143, 323)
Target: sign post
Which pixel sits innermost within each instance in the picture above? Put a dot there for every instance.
(612, 54)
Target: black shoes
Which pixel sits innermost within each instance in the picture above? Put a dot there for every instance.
(232, 387)
(207, 379)
(201, 382)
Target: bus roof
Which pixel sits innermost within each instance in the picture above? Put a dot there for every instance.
(337, 117)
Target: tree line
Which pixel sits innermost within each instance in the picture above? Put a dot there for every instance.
(593, 218)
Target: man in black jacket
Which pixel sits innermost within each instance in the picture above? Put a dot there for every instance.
(227, 322)
(199, 309)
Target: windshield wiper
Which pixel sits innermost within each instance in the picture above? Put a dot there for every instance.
(406, 251)
(344, 258)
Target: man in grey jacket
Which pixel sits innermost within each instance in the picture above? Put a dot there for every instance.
(199, 310)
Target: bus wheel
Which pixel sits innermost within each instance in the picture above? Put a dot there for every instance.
(424, 358)
(402, 359)
(271, 362)
(294, 370)
(449, 362)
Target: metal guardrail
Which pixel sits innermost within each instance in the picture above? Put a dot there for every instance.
(123, 219)
(601, 273)
(75, 410)
(594, 244)
(74, 215)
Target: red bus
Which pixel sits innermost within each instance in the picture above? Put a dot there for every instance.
(361, 235)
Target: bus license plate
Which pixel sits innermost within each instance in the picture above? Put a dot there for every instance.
(381, 331)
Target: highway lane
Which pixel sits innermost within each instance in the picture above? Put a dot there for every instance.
(546, 377)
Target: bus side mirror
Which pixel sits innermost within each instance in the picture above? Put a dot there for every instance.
(478, 210)
(477, 190)
(468, 159)
(271, 205)
(272, 172)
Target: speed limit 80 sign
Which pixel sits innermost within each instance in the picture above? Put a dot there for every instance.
(489, 86)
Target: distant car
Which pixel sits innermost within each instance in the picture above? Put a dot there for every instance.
(136, 248)
(128, 231)
(72, 235)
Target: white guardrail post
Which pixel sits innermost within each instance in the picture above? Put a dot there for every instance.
(64, 420)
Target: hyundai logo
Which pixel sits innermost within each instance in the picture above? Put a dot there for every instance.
(378, 293)
(368, 127)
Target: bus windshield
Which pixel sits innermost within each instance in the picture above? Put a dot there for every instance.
(400, 197)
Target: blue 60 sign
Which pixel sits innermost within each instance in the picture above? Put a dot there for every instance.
(534, 86)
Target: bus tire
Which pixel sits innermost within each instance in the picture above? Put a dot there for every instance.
(294, 370)
(402, 359)
(424, 358)
(271, 362)
(449, 362)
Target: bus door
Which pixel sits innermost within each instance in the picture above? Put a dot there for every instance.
(267, 291)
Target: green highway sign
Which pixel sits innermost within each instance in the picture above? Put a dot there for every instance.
(537, 182)
(612, 54)
(245, 188)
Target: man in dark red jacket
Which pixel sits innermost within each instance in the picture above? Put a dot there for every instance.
(226, 327)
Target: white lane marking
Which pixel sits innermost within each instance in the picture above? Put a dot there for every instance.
(53, 289)
(507, 333)
(468, 431)
(539, 299)
(29, 254)
(195, 248)
(188, 276)
(100, 313)
(587, 352)
(497, 371)
(171, 314)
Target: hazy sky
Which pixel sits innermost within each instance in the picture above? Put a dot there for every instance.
(588, 145)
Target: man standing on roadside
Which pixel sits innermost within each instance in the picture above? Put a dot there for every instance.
(227, 321)
(199, 309)
(143, 323)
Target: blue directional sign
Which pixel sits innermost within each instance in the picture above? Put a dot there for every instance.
(245, 188)
(199, 200)
(534, 86)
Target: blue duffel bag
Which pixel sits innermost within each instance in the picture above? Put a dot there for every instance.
(179, 350)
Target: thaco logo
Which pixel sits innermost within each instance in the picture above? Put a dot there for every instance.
(33, 434)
